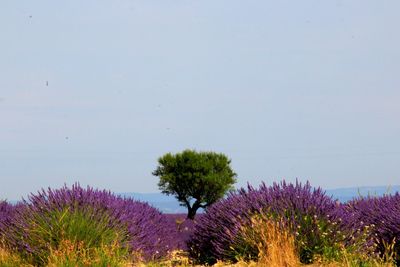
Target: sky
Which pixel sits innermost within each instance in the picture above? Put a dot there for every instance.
(95, 91)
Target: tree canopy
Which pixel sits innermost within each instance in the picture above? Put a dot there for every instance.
(196, 179)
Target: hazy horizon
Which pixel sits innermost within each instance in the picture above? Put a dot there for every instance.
(95, 91)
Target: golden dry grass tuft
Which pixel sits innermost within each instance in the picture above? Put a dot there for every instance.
(8, 259)
(274, 243)
(71, 253)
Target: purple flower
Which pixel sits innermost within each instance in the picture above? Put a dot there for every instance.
(297, 204)
(149, 231)
(380, 215)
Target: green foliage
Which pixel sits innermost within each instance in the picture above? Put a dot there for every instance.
(46, 232)
(202, 177)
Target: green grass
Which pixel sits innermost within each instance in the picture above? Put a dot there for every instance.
(47, 233)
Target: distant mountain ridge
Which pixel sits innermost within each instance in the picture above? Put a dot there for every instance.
(168, 204)
(346, 194)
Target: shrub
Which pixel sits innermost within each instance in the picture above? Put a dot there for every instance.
(381, 216)
(94, 217)
(6, 212)
(306, 210)
(45, 232)
(184, 228)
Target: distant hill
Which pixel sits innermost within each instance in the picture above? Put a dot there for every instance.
(168, 204)
(346, 194)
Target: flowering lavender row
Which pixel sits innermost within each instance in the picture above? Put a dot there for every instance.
(148, 229)
(380, 215)
(6, 213)
(302, 207)
(184, 228)
(315, 219)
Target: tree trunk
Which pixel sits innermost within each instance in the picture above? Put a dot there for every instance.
(191, 213)
(193, 209)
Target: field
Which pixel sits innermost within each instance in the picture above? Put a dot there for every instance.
(280, 225)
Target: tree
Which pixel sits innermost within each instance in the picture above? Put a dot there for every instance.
(196, 179)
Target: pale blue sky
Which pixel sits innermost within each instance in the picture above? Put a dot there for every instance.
(307, 89)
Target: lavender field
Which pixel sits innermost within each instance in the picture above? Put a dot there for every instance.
(87, 227)
(189, 133)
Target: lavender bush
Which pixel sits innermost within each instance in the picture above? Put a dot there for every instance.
(143, 227)
(184, 229)
(381, 216)
(6, 212)
(305, 209)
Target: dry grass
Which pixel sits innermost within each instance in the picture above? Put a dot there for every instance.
(8, 259)
(71, 253)
(178, 259)
(274, 243)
